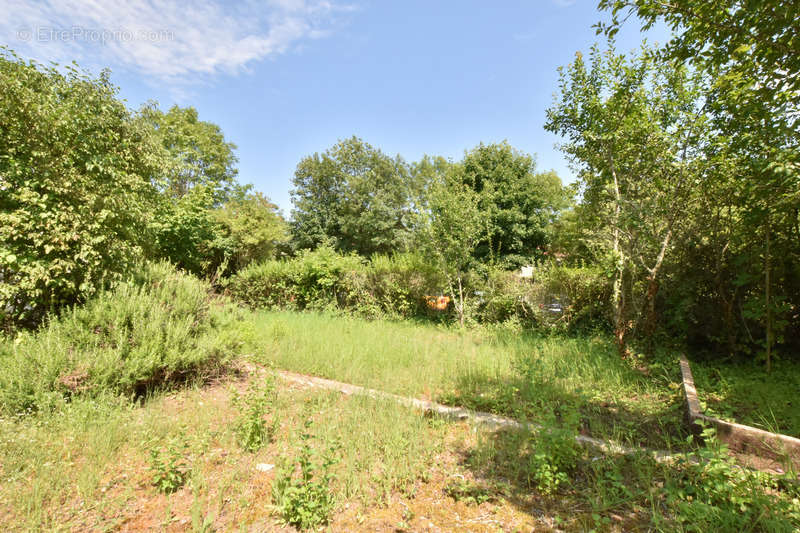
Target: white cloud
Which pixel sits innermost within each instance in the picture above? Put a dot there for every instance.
(167, 40)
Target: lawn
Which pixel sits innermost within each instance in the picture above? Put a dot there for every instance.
(519, 375)
(181, 457)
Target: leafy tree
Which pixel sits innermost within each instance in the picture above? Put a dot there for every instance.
(254, 227)
(188, 234)
(750, 55)
(207, 241)
(634, 129)
(758, 37)
(76, 192)
(453, 229)
(200, 153)
(519, 203)
(352, 196)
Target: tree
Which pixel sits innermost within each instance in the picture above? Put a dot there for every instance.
(76, 187)
(453, 229)
(635, 130)
(520, 203)
(750, 54)
(353, 197)
(254, 227)
(188, 234)
(200, 155)
(208, 241)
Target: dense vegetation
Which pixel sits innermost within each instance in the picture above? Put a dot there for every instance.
(132, 260)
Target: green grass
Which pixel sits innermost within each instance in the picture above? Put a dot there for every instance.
(85, 465)
(400, 357)
(745, 393)
(83, 462)
(519, 375)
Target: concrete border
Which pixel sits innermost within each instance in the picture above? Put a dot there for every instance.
(738, 437)
(489, 420)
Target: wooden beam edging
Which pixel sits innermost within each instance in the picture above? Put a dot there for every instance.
(738, 437)
(460, 414)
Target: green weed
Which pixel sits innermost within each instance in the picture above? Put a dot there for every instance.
(168, 465)
(305, 500)
(251, 428)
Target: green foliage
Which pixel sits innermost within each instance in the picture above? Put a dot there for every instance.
(635, 126)
(199, 154)
(137, 337)
(452, 231)
(168, 466)
(322, 279)
(519, 204)
(188, 234)
(353, 197)
(715, 492)
(583, 294)
(251, 429)
(76, 188)
(305, 499)
(736, 282)
(554, 452)
(470, 493)
(254, 227)
(207, 241)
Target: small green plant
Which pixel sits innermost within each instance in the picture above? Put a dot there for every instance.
(251, 428)
(469, 493)
(715, 493)
(169, 466)
(554, 452)
(305, 499)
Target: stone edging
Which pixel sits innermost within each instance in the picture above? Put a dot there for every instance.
(738, 437)
(459, 413)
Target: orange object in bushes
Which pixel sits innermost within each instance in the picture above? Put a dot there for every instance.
(438, 303)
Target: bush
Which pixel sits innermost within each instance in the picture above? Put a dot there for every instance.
(139, 336)
(323, 279)
(76, 190)
(397, 286)
(582, 292)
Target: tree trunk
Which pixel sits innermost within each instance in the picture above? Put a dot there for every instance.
(620, 327)
(652, 286)
(767, 296)
(461, 300)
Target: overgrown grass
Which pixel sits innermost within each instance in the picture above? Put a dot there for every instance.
(139, 336)
(81, 458)
(510, 373)
(400, 357)
(745, 393)
(86, 465)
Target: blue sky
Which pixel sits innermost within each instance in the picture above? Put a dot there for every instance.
(287, 78)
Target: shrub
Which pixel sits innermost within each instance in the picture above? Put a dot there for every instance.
(76, 190)
(586, 291)
(400, 283)
(583, 294)
(322, 279)
(138, 336)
